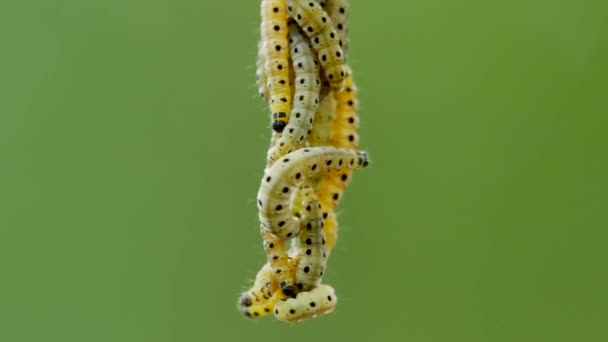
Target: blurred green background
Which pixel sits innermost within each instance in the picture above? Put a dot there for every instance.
(132, 142)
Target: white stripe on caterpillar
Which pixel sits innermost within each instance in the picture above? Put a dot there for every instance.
(306, 97)
(325, 41)
(276, 54)
(312, 242)
(309, 304)
(278, 184)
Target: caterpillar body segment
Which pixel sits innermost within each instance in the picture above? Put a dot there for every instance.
(287, 174)
(276, 55)
(324, 120)
(317, 25)
(339, 12)
(308, 304)
(312, 242)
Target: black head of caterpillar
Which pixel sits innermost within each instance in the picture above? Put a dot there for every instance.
(283, 177)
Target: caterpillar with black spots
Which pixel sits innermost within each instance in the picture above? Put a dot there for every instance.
(284, 176)
(262, 289)
(308, 304)
(306, 96)
(312, 242)
(253, 305)
(339, 12)
(318, 26)
(343, 132)
(276, 56)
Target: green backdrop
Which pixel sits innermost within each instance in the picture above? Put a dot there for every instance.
(132, 142)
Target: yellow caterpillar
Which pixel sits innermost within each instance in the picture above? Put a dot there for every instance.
(306, 97)
(284, 176)
(276, 56)
(311, 244)
(325, 41)
(336, 123)
(262, 289)
(309, 304)
(324, 118)
(279, 262)
(253, 307)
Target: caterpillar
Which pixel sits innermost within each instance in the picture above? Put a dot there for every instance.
(339, 12)
(260, 72)
(309, 304)
(252, 307)
(306, 97)
(279, 261)
(320, 29)
(324, 118)
(312, 242)
(346, 123)
(262, 289)
(282, 178)
(330, 186)
(276, 56)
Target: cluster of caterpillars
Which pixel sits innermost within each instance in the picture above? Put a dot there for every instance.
(303, 75)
